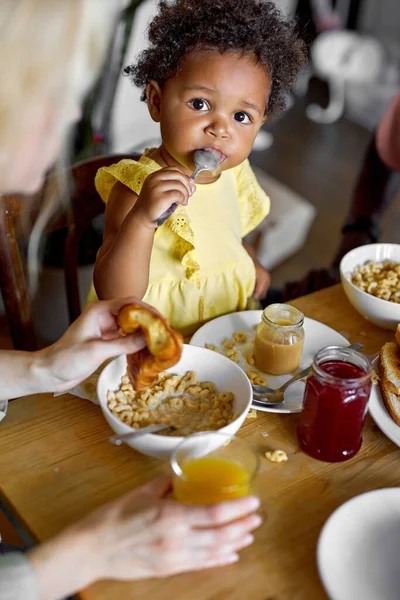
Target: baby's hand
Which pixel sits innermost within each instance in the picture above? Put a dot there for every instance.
(263, 280)
(160, 190)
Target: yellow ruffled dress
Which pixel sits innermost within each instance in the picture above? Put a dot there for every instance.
(199, 268)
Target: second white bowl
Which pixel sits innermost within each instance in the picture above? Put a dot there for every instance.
(380, 312)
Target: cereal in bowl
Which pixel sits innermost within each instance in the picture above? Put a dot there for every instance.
(240, 337)
(183, 402)
(380, 279)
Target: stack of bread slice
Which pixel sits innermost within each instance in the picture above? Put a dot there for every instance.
(390, 376)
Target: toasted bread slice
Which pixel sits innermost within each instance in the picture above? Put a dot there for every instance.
(390, 379)
(392, 403)
(390, 366)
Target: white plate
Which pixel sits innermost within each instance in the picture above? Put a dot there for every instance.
(317, 336)
(380, 414)
(359, 548)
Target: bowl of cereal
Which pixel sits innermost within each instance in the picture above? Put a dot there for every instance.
(371, 280)
(204, 391)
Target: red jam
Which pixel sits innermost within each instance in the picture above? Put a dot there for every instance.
(333, 412)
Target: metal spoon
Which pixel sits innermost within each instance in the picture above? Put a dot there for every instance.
(120, 439)
(204, 160)
(265, 395)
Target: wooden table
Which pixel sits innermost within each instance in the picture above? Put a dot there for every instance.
(56, 465)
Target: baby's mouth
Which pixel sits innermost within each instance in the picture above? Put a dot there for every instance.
(217, 150)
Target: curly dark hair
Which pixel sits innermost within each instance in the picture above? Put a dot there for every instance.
(248, 26)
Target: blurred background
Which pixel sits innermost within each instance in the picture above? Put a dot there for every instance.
(308, 160)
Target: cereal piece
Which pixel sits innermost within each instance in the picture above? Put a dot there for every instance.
(276, 456)
(193, 390)
(232, 355)
(212, 347)
(225, 397)
(252, 375)
(252, 414)
(207, 385)
(180, 388)
(375, 377)
(229, 344)
(190, 377)
(240, 337)
(250, 359)
(384, 294)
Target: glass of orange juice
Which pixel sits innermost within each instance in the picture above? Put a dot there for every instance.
(212, 467)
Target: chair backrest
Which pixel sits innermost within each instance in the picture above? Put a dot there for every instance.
(86, 204)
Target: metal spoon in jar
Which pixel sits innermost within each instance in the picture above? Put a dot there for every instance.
(117, 440)
(268, 396)
(204, 160)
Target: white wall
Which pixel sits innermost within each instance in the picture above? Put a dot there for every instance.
(132, 126)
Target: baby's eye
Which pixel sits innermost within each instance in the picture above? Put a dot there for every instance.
(199, 104)
(242, 117)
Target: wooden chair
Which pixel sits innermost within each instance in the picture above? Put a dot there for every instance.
(86, 204)
(12, 276)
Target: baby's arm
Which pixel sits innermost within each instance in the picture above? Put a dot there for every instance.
(263, 278)
(123, 263)
(124, 258)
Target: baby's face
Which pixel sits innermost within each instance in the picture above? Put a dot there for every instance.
(216, 101)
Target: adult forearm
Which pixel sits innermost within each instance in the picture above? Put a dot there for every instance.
(23, 373)
(124, 269)
(63, 565)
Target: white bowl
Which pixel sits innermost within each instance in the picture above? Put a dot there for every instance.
(380, 312)
(209, 366)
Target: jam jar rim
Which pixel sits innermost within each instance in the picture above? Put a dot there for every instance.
(342, 381)
(268, 321)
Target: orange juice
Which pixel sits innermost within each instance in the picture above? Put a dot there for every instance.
(209, 480)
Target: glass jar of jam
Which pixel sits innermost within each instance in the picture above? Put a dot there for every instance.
(335, 404)
(279, 339)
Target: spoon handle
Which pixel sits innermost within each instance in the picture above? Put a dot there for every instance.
(196, 172)
(117, 440)
(166, 215)
(300, 375)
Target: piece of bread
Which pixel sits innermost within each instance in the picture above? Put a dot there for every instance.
(389, 366)
(164, 345)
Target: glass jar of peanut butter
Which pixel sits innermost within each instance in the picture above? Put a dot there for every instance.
(279, 339)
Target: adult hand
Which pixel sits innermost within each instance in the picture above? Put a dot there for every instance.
(142, 535)
(92, 339)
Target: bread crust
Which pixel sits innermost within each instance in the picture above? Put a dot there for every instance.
(389, 366)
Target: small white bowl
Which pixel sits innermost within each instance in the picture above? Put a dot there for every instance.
(380, 312)
(209, 366)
